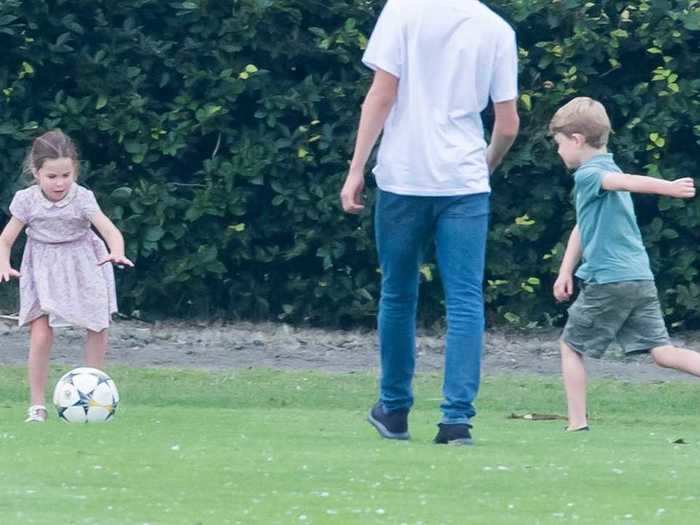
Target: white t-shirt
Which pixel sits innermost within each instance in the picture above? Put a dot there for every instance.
(450, 57)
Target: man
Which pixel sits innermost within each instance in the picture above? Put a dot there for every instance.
(437, 63)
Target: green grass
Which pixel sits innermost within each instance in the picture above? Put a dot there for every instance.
(262, 447)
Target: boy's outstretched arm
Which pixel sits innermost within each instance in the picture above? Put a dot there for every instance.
(564, 285)
(680, 188)
(375, 110)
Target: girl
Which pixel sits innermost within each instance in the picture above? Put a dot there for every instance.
(64, 280)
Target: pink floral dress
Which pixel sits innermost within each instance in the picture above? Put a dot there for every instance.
(60, 276)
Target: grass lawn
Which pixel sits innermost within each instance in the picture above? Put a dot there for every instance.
(263, 447)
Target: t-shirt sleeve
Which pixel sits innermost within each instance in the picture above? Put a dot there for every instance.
(588, 183)
(385, 47)
(20, 207)
(504, 81)
(88, 204)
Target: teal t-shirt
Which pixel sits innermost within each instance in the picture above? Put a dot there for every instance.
(612, 245)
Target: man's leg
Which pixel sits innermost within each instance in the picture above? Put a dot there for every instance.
(574, 376)
(401, 230)
(461, 230)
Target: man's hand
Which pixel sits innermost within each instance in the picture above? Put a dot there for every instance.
(351, 194)
(683, 188)
(563, 287)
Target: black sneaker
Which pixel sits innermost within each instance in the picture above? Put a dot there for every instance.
(390, 425)
(453, 434)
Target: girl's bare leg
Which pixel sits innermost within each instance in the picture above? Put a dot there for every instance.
(40, 342)
(95, 349)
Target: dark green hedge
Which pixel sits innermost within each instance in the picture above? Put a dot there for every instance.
(217, 133)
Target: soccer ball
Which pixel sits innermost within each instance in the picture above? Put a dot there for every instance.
(86, 395)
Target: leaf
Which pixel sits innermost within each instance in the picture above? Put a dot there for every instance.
(121, 195)
(691, 21)
(101, 102)
(7, 19)
(153, 234)
(512, 318)
(525, 220)
(133, 146)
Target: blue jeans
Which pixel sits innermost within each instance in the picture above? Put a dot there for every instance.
(404, 227)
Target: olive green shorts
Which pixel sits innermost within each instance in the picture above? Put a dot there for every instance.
(627, 312)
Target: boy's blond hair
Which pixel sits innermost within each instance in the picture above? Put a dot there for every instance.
(584, 116)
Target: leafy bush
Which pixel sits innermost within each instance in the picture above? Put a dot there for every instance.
(217, 134)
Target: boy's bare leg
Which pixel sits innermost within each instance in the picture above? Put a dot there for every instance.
(96, 348)
(678, 358)
(40, 342)
(574, 375)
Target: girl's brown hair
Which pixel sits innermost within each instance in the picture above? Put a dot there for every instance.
(53, 144)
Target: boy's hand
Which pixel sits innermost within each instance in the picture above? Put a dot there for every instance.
(351, 194)
(563, 287)
(118, 260)
(683, 188)
(8, 273)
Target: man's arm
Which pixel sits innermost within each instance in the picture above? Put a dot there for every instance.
(505, 130)
(564, 285)
(680, 188)
(375, 109)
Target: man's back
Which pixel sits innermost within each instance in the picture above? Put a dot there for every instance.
(450, 56)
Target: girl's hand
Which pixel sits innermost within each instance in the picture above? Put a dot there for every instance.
(8, 273)
(118, 260)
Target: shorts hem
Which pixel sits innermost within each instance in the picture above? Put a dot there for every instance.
(647, 347)
(579, 349)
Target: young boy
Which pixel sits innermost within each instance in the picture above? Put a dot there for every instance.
(618, 298)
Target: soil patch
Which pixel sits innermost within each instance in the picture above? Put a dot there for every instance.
(217, 346)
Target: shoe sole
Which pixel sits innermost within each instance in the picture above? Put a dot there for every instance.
(580, 429)
(385, 432)
(455, 442)
(460, 442)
